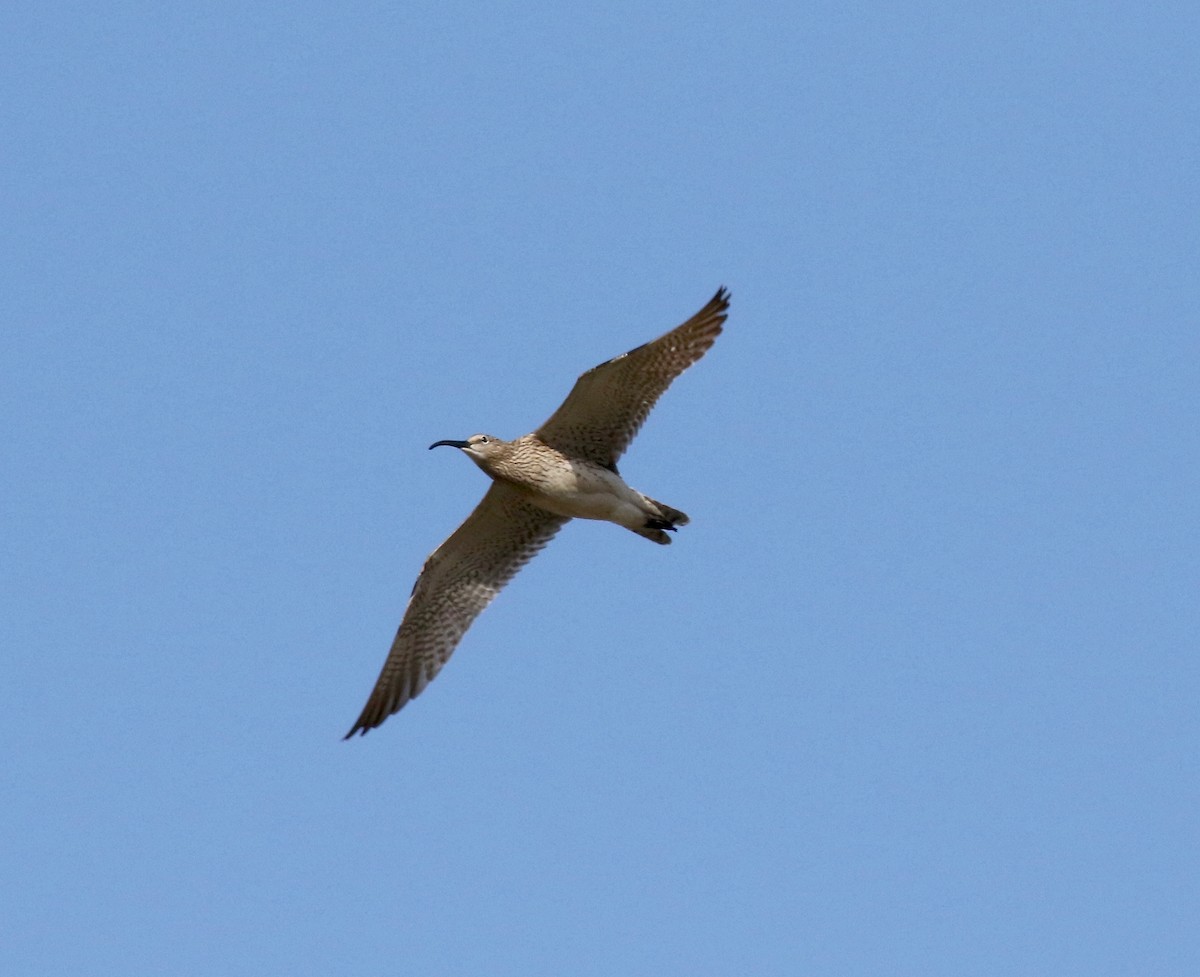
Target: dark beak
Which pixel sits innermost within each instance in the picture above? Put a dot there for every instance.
(452, 444)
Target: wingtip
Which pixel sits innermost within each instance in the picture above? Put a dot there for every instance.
(718, 305)
(717, 309)
(367, 721)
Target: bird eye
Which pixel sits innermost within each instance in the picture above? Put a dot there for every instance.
(483, 439)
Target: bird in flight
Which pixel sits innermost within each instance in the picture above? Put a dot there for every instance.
(566, 469)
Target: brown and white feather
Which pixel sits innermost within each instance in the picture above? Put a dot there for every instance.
(609, 403)
(459, 579)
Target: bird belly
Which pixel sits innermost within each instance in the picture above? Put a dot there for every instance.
(589, 493)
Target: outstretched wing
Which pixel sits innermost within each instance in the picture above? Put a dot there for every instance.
(459, 580)
(608, 404)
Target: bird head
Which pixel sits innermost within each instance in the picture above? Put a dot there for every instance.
(480, 448)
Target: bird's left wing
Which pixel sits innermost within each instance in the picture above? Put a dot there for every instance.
(610, 402)
(459, 580)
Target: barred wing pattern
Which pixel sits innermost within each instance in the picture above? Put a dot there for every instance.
(609, 403)
(459, 580)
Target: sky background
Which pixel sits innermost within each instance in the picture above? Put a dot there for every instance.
(914, 694)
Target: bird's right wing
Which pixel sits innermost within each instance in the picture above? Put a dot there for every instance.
(610, 402)
(459, 580)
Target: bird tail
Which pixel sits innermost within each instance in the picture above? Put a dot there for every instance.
(664, 518)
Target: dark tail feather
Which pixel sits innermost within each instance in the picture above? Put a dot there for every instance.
(667, 519)
(671, 518)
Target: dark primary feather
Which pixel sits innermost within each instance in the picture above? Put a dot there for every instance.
(609, 403)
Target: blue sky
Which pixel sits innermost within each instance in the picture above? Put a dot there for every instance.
(914, 694)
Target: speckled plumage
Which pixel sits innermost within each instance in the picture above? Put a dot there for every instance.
(609, 403)
(565, 469)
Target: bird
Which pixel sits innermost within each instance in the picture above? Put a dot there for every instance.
(566, 469)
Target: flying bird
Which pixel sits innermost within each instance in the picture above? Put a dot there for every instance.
(566, 469)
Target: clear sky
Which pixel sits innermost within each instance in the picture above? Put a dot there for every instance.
(915, 693)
